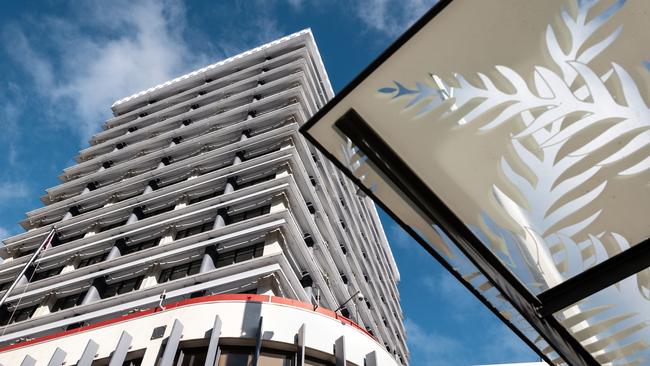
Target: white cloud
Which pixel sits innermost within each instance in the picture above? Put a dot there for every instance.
(114, 49)
(4, 233)
(398, 237)
(296, 4)
(246, 24)
(391, 17)
(438, 349)
(11, 190)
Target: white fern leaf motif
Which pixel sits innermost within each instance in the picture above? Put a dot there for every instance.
(557, 120)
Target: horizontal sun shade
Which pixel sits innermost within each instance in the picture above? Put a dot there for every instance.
(519, 158)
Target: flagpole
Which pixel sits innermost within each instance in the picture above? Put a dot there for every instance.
(44, 245)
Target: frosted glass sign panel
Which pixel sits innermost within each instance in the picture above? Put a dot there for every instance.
(513, 137)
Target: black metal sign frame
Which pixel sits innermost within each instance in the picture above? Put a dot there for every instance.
(537, 310)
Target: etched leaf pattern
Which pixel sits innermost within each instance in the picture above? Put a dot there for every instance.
(547, 246)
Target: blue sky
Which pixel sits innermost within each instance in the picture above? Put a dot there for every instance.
(63, 64)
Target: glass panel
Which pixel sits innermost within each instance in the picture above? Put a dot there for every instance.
(47, 273)
(517, 143)
(68, 301)
(129, 285)
(92, 260)
(614, 324)
(538, 143)
(157, 212)
(194, 268)
(244, 254)
(110, 290)
(274, 358)
(314, 362)
(225, 259)
(235, 356)
(194, 356)
(206, 196)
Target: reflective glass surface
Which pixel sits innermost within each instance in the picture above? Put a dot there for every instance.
(530, 122)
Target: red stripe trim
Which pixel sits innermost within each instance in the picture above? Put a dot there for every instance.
(198, 300)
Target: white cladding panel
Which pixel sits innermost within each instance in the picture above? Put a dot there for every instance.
(240, 320)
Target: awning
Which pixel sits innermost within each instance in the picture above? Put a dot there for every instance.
(511, 139)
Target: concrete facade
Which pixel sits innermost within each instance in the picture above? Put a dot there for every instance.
(203, 187)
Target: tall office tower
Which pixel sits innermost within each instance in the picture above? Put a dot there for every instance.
(199, 227)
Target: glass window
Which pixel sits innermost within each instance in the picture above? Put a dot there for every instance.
(25, 253)
(244, 254)
(114, 225)
(194, 230)
(310, 361)
(235, 356)
(239, 255)
(58, 241)
(206, 196)
(146, 244)
(158, 211)
(225, 259)
(119, 288)
(276, 358)
(191, 356)
(18, 315)
(255, 212)
(68, 301)
(255, 181)
(131, 360)
(92, 260)
(46, 273)
(180, 271)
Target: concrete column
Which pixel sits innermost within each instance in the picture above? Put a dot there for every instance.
(168, 237)
(151, 186)
(117, 249)
(46, 306)
(207, 263)
(279, 203)
(93, 230)
(266, 286)
(151, 278)
(105, 165)
(307, 284)
(135, 216)
(195, 174)
(24, 279)
(94, 291)
(111, 201)
(283, 170)
(239, 157)
(182, 203)
(220, 219)
(132, 219)
(72, 264)
(272, 243)
(176, 141)
(114, 253)
(231, 183)
(73, 211)
(287, 144)
(164, 161)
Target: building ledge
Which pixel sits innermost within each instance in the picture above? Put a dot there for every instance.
(251, 298)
